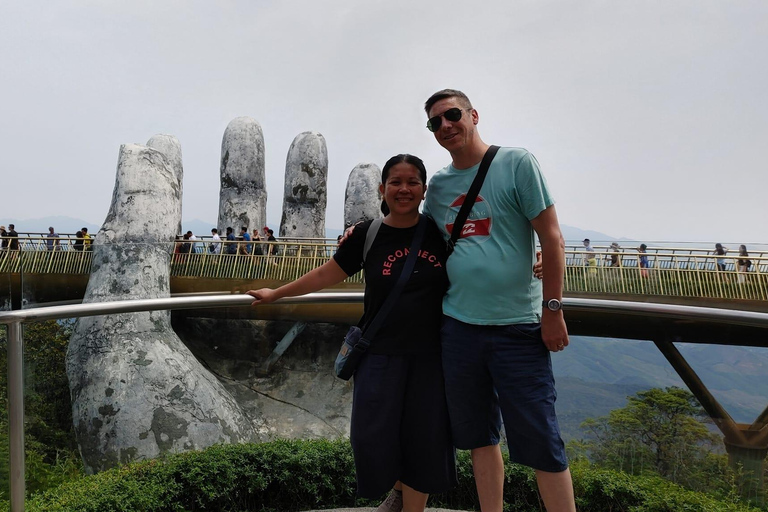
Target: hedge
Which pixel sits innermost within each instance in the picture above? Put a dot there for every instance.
(291, 476)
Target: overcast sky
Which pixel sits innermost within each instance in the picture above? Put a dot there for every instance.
(646, 116)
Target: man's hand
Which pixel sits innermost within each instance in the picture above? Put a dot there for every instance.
(347, 233)
(263, 296)
(538, 267)
(554, 333)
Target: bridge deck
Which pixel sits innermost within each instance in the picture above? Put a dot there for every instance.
(680, 276)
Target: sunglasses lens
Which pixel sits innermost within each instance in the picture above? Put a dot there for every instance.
(433, 124)
(453, 114)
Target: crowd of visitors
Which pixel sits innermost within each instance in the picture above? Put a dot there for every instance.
(613, 258)
(245, 244)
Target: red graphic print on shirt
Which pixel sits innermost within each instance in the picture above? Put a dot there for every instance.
(478, 222)
(386, 269)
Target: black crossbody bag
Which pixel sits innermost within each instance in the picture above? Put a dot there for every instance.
(469, 200)
(357, 341)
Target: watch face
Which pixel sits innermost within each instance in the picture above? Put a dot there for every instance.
(554, 305)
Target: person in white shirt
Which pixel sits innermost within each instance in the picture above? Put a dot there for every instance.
(215, 246)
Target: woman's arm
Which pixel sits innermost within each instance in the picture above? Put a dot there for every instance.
(322, 277)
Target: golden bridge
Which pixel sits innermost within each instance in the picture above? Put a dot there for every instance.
(45, 271)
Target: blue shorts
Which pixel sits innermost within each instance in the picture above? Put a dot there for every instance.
(495, 371)
(400, 428)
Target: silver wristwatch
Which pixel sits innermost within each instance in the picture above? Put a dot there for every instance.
(552, 304)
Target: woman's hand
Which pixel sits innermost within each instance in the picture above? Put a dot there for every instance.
(538, 267)
(262, 296)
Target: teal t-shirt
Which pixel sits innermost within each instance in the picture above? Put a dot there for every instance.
(490, 270)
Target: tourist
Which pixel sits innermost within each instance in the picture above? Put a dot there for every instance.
(744, 263)
(613, 257)
(496, 340)
(272, 248)
(400, 428)
(215, 245)
(87, 239)
(720, 251)
(186, 245)
(13, 237)
(590, 261)
(5, 240)
(78, 242)
(53, 240)
(258, 250)
(231, 245)
(642, 260)
(246, 247)
(196, 248)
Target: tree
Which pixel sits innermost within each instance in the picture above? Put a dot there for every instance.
(50, 447)
(659, 430)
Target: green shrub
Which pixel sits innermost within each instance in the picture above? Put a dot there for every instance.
(304, 475)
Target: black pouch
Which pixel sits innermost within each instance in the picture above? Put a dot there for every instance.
(350, 353)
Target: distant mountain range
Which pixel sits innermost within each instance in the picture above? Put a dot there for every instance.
(63, 224)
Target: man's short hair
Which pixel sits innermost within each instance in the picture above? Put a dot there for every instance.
(11, 226)
(229, 228)
(214, 230)
(244, 228)
(444, 94)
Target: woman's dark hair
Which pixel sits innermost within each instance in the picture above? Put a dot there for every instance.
(400, 159)
(743, 250)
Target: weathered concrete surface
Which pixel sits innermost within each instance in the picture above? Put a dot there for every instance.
(137, 391)
(305, 195)
(362, 200)
(301, 399)
(243, 194)
(171, 148)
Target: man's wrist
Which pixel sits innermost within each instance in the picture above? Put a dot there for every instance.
(552, 305)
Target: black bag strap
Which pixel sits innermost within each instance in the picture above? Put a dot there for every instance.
(370, 332)
(469, 200)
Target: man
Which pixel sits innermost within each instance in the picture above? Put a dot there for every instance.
(231, 244)
(13, 236)
(87, 239)
(246, 238)
(53, 240)
(215, 246)
(194, 246)
(272, 249)
(496, 339)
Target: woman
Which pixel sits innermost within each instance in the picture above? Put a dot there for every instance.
(720, 251)
(78, 242)
(744, 263)
(643, 260)
(400, 431)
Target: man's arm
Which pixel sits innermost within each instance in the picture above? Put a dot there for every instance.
(553, 330)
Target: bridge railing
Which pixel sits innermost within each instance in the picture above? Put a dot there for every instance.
(673, 272)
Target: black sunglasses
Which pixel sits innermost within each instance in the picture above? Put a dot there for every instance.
(452, 115)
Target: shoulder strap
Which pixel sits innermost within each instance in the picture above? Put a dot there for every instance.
(469, 200)
(370, 236)
(410, 262)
